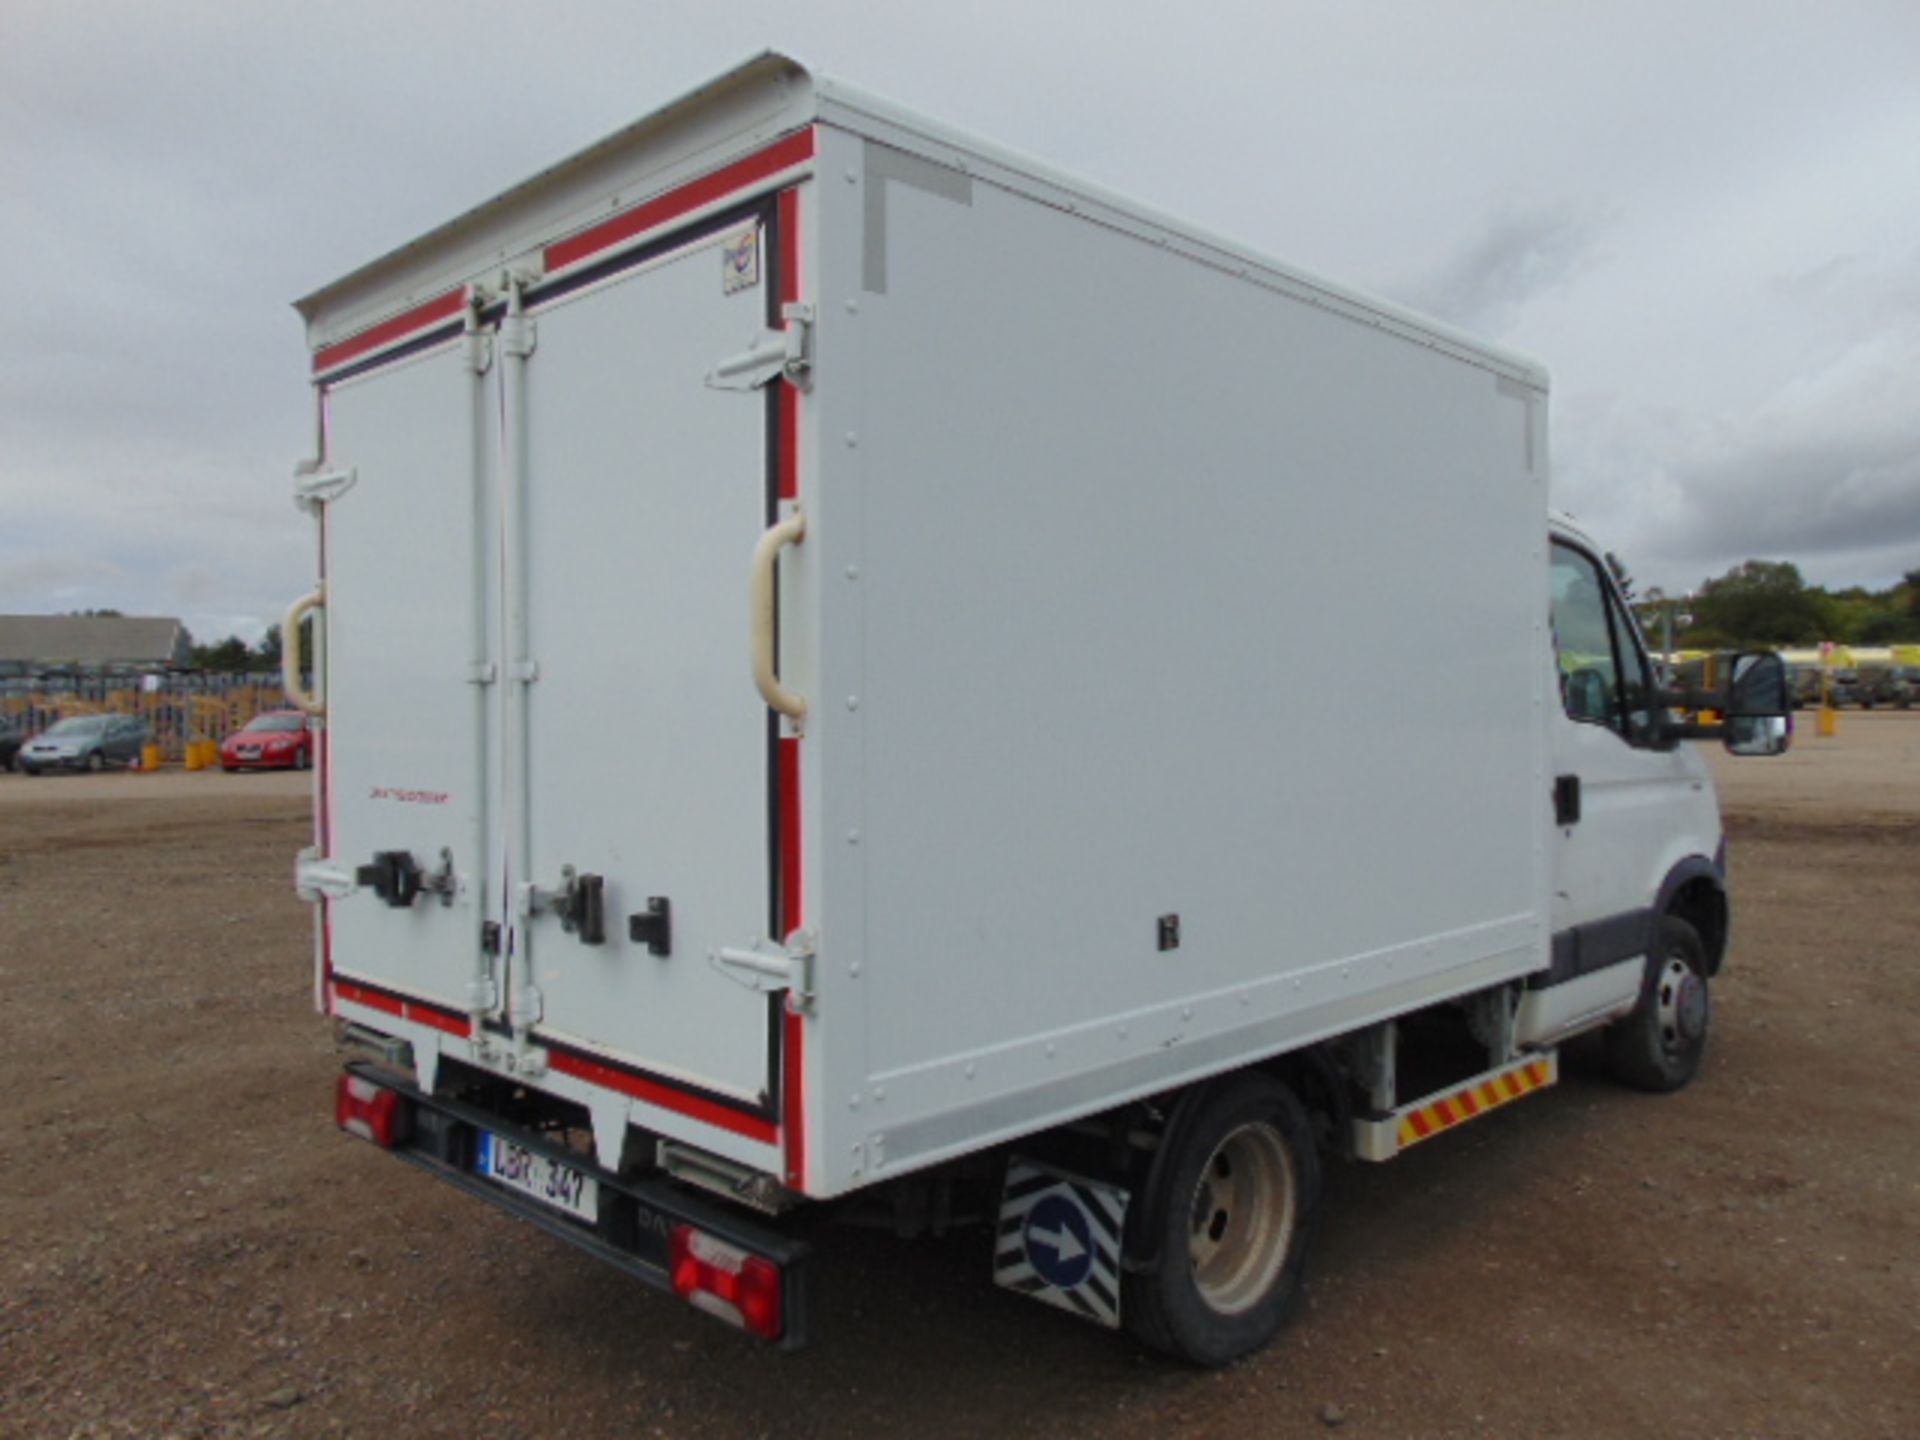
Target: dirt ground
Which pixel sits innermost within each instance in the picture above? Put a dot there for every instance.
(192, 1249)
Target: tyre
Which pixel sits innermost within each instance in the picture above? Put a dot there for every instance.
(96, 762)
(301, 761)
(1659, 1044)
(1219, 1237)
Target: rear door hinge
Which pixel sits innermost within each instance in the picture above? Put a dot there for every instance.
(318, 877)
(767, 968)
(518, 337)
(771, 354)
(314, 486)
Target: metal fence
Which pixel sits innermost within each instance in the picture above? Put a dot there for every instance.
(178, 707)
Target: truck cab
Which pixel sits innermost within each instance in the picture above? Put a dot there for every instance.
(1636, 820)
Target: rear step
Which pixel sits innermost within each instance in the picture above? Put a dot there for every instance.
(654, 1228)
(1381, 1137)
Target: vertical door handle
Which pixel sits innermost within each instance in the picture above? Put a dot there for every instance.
(312, 701)
(790, 531)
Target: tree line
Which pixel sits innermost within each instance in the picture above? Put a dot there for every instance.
(1767, 602)
(235, 656)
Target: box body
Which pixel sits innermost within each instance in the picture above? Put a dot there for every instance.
(1171, 626)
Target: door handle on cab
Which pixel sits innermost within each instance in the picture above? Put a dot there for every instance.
(1566, 799)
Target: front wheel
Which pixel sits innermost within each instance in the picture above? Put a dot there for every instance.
(1224, 1223)
(1658, 1045)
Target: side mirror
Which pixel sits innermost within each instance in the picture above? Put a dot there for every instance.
(1755, 702)
(1758, 707)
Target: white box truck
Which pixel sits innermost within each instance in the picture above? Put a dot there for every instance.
(814, 656)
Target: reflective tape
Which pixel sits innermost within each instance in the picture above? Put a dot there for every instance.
(1477, 1099)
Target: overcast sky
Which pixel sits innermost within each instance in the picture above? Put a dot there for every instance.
(1703, 215)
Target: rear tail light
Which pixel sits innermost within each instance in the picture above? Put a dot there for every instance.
(370, 1111)
(726, 1281)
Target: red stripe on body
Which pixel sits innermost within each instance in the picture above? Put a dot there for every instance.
(418, 1011)
(1467, 1103)
(793, 1119)
(444, 307)
(372, 999)
(793, 1132)
(654, 1093)
(793, 1024)
(786, 397)
(1419, 1123)
(781, 155)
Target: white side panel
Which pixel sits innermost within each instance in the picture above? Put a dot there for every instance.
(406, 617)
(1180, 597)
(649, 755)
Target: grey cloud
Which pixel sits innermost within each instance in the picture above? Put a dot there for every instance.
(175, 174)
(1522, 251)
(50, 580)
(1830, 463)
(1826, 471)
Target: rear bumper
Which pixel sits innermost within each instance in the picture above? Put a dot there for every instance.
(638, 1214)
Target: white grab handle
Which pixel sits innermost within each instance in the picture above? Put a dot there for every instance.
(304, 698)
(790, 531)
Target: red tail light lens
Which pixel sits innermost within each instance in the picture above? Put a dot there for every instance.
(726, 1281)
(370, 1111)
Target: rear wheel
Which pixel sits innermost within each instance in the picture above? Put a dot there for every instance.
(1659, 1044)
(301, 760)
(1224, 1223)
(96, 762)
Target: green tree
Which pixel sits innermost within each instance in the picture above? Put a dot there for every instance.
(1758, 602)
(231, 654)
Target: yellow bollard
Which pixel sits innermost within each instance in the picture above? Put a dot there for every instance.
(149, 757)
(209, 754)
(1829, 720)
(196, 757)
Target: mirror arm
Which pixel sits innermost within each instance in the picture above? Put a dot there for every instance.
(1672, 732)
(1688, 698)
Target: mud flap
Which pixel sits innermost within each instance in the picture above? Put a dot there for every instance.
(1059, 1240)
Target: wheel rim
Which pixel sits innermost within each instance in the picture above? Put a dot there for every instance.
(1242, 1218)
(1681, 1003)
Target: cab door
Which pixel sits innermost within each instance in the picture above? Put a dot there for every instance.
(1628, 804)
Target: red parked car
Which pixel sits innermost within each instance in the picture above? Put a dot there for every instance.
(272, 740)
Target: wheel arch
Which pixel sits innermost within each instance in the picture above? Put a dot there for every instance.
(1695, 890)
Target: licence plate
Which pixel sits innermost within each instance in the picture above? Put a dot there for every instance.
(566, 1189)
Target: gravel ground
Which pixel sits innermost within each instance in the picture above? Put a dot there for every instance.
(193, 1250)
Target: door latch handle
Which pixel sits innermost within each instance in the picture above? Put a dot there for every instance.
(653, 927)
(396, 877)
(579, 904)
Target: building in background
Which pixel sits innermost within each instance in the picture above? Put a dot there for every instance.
(91, 644)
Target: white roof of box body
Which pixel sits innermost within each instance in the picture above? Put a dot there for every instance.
(742, 111)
